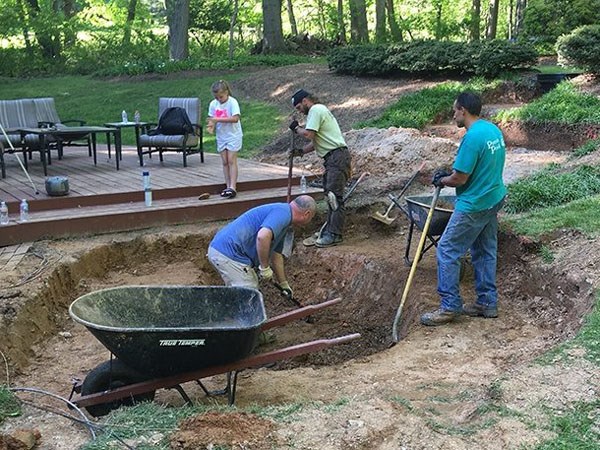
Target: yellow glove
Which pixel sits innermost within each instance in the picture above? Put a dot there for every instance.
(265, 273)
(286, 290)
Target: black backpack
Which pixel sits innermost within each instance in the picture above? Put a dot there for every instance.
(173, 121)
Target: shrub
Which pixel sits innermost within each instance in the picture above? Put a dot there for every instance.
(359, 60)
(581, 48)
(433, 57)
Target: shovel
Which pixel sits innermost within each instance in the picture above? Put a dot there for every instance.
(385, 218)
(288, 240)
(413, 268)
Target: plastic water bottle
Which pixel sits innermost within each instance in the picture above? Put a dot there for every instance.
(147, 189)
(3, 214)
(136, 116)
(124, 116)
(24, 211)
(303, 184)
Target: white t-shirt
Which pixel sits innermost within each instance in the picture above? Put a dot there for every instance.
(229, 135)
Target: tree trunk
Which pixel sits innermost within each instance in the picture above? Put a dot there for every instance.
(232, 24)
(359, 31)
(439, 5)
(322, 15)
(340, 22)
(49, 41)
(492, 24)
(131, 7)
(22, 8)
(380, 34)
(476, 20)
(519, 16)
(178, 19)
(272, 31)
(292, 18)
(394, 27)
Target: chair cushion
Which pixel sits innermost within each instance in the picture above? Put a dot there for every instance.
(162, 140)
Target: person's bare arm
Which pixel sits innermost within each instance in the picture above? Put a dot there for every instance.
(264, 237)
(455, 179)
(278, 267)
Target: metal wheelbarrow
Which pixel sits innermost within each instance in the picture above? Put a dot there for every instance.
(417, 209)
(162, 336)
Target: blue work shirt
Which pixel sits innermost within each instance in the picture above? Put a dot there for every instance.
(237, 240)
(481, 154)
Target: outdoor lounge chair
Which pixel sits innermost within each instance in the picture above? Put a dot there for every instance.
(14, 115)
(47, 117)
(187, 144)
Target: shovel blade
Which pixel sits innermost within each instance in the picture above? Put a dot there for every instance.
(383, 218)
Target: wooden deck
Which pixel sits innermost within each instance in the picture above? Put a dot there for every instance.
(102, 199)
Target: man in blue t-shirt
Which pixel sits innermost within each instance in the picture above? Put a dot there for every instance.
(255, 241)
(480, 191)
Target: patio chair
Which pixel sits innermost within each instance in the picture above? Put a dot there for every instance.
(14, 115)
(187, 144)
(47, 116)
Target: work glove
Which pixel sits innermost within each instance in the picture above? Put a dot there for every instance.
(265, 273)
(294, 125)
(297, 152)
(285, 289)
(437, 177)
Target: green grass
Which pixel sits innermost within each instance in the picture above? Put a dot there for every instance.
(580, 214)
(98, 101)
(9, 404)
(589, 147)
(564, 104)
(576, 428)
(552, 187)
(426, 106)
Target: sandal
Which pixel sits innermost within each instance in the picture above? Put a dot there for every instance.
(230, 193)
(225, 192)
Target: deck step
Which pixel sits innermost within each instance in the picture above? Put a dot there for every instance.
(131, 215)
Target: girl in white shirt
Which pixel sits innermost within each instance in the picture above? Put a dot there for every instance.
(224, 120)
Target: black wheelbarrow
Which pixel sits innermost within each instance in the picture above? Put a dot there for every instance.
(162, 336)
(416, 209)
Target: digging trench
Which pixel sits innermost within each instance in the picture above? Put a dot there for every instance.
(368, 273)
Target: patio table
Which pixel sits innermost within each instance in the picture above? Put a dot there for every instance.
(64, 133)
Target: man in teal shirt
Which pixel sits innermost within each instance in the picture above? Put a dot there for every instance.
(480, 191)
(327, 141)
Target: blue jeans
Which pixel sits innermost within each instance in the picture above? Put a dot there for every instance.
(478, 232)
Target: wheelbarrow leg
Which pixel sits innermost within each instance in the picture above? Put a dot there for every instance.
(229, 389)
(183, 394)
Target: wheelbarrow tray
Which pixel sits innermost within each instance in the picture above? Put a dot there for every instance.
(418, 209)
(167, 330)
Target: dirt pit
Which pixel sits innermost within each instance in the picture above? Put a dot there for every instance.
(368, 272)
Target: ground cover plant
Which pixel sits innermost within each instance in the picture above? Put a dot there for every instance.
(430, 105)
(564, 104)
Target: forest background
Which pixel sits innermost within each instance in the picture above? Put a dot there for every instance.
(40, 37)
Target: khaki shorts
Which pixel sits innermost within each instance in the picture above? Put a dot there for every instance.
(232, 272)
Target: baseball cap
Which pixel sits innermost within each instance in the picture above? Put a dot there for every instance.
(298, 96)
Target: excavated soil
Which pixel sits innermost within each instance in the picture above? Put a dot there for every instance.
(438, 388)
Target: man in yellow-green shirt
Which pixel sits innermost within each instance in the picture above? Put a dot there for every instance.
(326, 139)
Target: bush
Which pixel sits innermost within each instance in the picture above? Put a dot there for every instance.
(488, 58)
(359, 60)
(581, 48)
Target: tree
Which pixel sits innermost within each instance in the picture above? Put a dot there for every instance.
(292, 18)
(341, 23)
(272, 30)
(394, 27)
(129, 22)
(236, 8)
(178, 20)
(380, 34)
(475, 20)
(519, 16)
(359, 30)
(492, 24)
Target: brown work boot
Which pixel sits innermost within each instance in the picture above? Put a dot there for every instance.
(477, 310)
(439, 317)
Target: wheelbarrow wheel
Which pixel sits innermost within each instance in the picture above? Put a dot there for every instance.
(111, 375)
